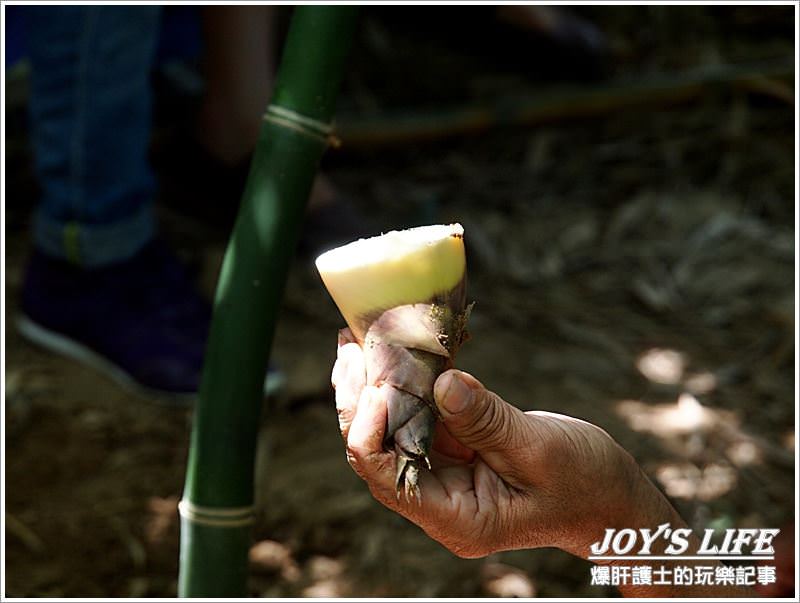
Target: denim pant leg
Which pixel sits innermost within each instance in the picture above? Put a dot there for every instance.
(90, 120)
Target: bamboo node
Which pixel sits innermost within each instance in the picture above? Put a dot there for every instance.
(303, 124)
(223, 517)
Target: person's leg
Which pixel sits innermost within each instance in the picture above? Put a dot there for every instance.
(239, 66)
(90, 118)
(240, 62)
(99, 288)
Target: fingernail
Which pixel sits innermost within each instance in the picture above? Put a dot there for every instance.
(452, 394)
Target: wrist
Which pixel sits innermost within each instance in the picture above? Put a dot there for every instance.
(620, 497)
(632, 502)
(649, 508)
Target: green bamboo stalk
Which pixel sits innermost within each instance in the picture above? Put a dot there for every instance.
(217, 506)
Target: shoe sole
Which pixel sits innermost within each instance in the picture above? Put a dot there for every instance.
(65, 346)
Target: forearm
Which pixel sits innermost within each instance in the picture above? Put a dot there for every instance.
(656, 510)
(666, 571)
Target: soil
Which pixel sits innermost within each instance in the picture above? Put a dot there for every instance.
(635, 270)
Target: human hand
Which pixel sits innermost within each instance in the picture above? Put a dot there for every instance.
(501, 479)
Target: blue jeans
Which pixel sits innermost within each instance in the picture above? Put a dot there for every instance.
(90, 121)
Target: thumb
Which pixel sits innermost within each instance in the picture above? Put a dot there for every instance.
(478, 418)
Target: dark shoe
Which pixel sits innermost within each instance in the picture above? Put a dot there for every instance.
(140, 321)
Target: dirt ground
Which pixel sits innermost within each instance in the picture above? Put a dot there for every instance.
(635, 270)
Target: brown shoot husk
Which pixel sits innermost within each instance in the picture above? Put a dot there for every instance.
(407, 348)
